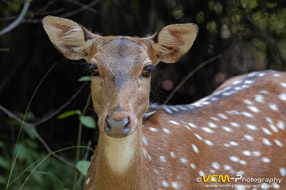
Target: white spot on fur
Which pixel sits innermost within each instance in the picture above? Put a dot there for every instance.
(174, 109)
(275, 185)
(153, 129)
(246, 153)
(248, 102)
(242, 162)
(227, 167)
(174, 122)
(198, 136)
(226, 145)
(240, 173)
(162, 158)
(166, 131)
(234, 124)
(256, 153)
(167, 109)
(253, 109)
(266, 131)
(172, 154)
(263, 91)
(264, 186)
(273, 128)
(208, 130)
(227, 129)
(165, 183)
(192, 125)
(273, 107)
(234, 158)
(209, 143)
(248, 137)
(216, 165)
(201, 173)
(236, 82)
(193, 165)
(187, 127)
(212, 125)
(269, 120)
(212, 171)
(266, 160)
(251, 127)
(222, 116)
(87, 181)
(283, 171)
(281, 125)
(259, 98)
(283, 97)
(240, 187)
(214, 118)
(183, 160)
(266, 142)
(175, 185)
(145, 140)
(145, 153)
(246, 114)
(278, 143)
(233, 143)
(195, 148)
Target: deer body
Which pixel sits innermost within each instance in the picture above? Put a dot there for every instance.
(240, 129)
(181, 143)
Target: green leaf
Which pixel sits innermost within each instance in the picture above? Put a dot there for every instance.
(4, 163)
(87, 121)
(29, 132)
(84, 78)
(69, 113)
(22, 151)
(83, 166)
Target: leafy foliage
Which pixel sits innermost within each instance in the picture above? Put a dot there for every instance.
(83, 166)
(87, 121)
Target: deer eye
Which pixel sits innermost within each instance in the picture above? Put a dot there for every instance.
(94, 70)
(147, 70)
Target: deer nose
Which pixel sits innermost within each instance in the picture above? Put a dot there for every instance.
(117, 128)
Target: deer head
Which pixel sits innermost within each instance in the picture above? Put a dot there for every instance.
(120, 67)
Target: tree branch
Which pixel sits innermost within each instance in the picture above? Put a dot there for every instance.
(32, 127)
(18, 20)
(189, 76)
(53, 113)
(69, 14)
(83, 6)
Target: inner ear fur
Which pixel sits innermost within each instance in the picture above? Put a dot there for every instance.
(70, 38)
(174, 41)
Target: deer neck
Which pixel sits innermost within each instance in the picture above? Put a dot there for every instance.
(120, 162)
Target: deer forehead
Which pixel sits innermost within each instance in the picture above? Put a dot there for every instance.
(121, 55)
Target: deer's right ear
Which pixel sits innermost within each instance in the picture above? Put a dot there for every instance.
(70, 38)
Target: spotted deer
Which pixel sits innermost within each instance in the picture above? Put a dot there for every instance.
(239, 130)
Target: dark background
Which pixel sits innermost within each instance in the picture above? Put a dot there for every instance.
(240, 35)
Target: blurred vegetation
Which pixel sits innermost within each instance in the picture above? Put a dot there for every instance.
(248, 34)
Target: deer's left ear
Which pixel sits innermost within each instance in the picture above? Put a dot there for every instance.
(174, 41)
